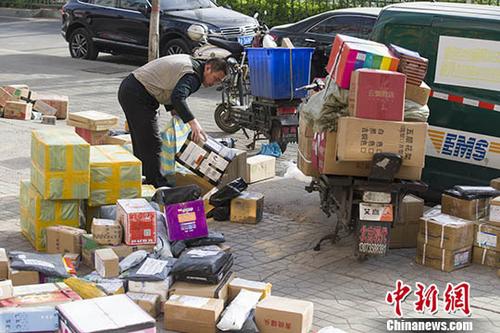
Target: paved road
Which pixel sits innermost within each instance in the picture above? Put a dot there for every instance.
(347, 294)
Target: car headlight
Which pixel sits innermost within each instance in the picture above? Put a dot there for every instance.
(196, 32)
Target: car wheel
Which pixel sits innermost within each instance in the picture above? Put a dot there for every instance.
(175, 46)
(81, 45)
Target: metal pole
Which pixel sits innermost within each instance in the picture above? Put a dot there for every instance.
(154, 31)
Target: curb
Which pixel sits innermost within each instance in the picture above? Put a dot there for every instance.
(31, 13)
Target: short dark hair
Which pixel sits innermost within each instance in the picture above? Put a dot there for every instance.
(218, 65)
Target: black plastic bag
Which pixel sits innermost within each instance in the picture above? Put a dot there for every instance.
(150, 270)
(476, 192)
(48, 264)
(107, 212)
(200, 263)
(213, 238)
(177, 248)
(223, 197)
(168, 196)
(220, 213)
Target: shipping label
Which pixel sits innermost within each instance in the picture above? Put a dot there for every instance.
(486, 239)
(152, 267)
(375, 212)
(461, 258)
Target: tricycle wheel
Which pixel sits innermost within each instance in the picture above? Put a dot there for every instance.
(223, 121)
(277, 137)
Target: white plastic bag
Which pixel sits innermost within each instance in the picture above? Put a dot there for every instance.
(237, 312)
(330, 329)
(292, 171)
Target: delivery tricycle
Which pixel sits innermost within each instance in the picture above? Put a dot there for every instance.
(365, 206)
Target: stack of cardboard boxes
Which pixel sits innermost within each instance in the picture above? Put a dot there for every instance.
(376, 116)
(93, 126)
(404, 233)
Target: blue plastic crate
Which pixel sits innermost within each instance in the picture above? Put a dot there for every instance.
(275, 73)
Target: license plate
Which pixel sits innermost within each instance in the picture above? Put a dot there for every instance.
(373, 237)
(245, 40)
(375, 212)
(377, 197)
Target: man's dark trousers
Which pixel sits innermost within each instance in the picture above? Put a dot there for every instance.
(141, 111)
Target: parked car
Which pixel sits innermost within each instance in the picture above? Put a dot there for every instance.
(122, 26)
(320, 30)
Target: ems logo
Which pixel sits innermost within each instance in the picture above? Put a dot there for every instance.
(462, 145)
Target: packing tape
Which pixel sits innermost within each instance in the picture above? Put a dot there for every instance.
(443, 253)
(303, 157)
(442, 235)
(423, 254)
(426, 232)
(483, 259)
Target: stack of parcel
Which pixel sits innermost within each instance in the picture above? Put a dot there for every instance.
(374, 101)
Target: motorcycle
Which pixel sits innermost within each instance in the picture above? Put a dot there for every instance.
(273, 120)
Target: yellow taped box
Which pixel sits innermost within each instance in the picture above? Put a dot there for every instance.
(191, 314)
(247, 208)
(60, 164)
(114, 174)
(446, 232)
(486, 257)
(237, 284)
(466, 209)
(487, 236)
(36, 214)
(442, 259)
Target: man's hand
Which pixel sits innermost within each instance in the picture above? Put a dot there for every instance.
(198, 135)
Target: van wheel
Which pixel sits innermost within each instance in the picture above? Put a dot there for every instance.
(175, 46)
(81, 45)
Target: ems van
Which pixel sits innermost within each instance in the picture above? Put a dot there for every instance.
(462, 43)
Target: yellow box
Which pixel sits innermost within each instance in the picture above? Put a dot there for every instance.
(37, 214)
(114, 174)
(60, 164)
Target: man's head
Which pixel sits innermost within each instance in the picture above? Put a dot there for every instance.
(215, 71)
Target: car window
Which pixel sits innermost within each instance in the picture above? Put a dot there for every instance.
(336, 25)
(365, 25)
(132, 4)
(104, 3)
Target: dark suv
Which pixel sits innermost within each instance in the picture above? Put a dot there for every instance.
(122, 26)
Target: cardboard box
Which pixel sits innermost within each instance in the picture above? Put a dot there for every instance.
(487, 236)
(106, 263)
(124, 250)
(138, 219)
(92, 137)
(466, 209)
(446, 232)
(191, 314)
(62, 239)
(189, 178)
(5, 96)
(219, 291)
(305, 128)
(495, 183)
(147, 192)
(247, 208)
(412, 209)
(404, 235)
(260, 167)
(6, 289)
(324, 159)
(486, 257)
(36, 214)
(116, 313)
(118, 140)
(494, 214)
(148, 302)
(209, 161)
(4, 265)
(349, 54)
(92, 120)
(186, 220)
(60, 103)
(237, 284)
(39, 319)
(376, 94)
(60, 164)
(284, 315)
(418, 94)
(107, 232)
(47, 294)
(17, 110)
(22, 278)
(18, 92)
(44, 108)
(237, 168)
(304, 156)
(360, 139)
(443, 259)
(115, 174)
(159, 288)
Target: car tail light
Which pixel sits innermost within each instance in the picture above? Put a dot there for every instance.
(287, 110)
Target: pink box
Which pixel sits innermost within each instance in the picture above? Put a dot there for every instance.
(138, 219)
(377, 94)
(186, 220)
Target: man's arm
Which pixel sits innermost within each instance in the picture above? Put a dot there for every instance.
(187, 85)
